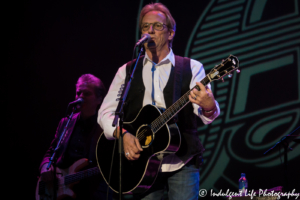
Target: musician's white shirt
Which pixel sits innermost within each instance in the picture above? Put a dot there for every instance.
(158, 75)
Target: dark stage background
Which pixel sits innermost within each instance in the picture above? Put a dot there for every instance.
(52, 43)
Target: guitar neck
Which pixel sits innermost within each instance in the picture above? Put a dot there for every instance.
(176, 107)
(68, 179)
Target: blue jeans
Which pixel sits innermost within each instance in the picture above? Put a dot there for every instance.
(182, 184)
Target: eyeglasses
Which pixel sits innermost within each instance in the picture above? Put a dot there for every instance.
(156, 25)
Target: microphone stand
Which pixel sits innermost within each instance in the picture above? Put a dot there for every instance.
(285, 143)
(53, 159)
(120, 115)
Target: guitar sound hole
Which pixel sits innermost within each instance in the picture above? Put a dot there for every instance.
(145, 135)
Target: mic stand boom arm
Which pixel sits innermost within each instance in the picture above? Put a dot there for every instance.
(52, 160)
(119, 115)
(285, 143)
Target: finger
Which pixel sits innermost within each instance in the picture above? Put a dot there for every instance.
(192, 100)
(128, 153)
(194, 94)
(132, 155)
(138, 145)
(209, 90)
(134, 150)
(202, 87)
(135, 156)
(133, 144)
(127, 143)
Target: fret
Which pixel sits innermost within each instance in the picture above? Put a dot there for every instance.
(218, 72)
(80, 175)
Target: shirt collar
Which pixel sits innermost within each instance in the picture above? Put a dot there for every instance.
(169, 58)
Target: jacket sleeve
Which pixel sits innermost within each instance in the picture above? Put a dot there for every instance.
(106, 113)
(53, 144)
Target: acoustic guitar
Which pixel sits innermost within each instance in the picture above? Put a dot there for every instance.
(156, 137)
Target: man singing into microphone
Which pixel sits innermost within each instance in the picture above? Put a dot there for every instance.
(154, 84)
(80, 139)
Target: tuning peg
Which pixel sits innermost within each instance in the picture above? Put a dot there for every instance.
(229, 75)
(238, 71)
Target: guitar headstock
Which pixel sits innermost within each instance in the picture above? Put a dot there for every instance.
(227, 66)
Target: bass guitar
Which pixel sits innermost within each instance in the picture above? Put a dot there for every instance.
(66, 179)
(156, 137)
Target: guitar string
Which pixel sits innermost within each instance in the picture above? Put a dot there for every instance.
(168, 114)
(159, 122)
(164, 118)
(72, 178)
(80, 175)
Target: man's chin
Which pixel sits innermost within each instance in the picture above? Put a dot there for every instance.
(151, 45)
(79, 108)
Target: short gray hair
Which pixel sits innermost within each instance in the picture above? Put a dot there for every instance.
(91, 79)
(171, 24)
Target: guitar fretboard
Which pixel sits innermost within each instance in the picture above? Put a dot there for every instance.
(81, 175)
(175, 108)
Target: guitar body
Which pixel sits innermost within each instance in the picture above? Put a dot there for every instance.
(138, 175)
(155, 136)
(44, 189)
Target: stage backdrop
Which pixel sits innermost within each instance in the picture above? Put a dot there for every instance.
(52, 43)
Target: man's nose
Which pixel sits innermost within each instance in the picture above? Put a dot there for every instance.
(81, 95)
(151, 29)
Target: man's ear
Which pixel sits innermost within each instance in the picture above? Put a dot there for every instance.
(171, 34)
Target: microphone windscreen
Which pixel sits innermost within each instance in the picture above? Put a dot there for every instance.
(147, 35)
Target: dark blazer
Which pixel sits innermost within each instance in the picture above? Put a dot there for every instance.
(92, 141)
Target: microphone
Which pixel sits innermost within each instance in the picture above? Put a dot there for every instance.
(76, 102)
(145, 38)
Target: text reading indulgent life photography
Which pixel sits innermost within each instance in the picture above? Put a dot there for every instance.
(250, 193)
